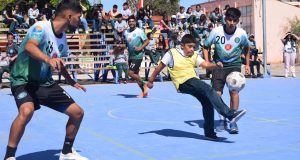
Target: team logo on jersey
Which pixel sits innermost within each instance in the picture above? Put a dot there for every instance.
(129, 39)
(237, 40)
(37, 29)
(54, 55)
(22, 95)
(60, 47)
(228, 47)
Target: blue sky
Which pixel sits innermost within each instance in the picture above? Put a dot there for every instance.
(109, 3)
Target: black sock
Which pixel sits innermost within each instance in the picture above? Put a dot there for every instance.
(10, 152)
(68, 144)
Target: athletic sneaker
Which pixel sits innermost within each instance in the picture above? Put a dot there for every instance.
(72, 156)
(237, 115)
(233, 128)
(221, 126)
(11, 158)
(212, 137)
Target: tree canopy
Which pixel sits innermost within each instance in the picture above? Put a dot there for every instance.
(161, 7)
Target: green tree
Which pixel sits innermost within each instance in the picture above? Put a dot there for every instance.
(295, 25)
(3, 3)
(161, 7)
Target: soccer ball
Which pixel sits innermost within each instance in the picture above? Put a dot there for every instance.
(235, 81)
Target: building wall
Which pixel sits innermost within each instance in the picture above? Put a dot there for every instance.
(277, 16)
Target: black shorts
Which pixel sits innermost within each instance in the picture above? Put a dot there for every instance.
(219, 77)
(52, 96)
(134, 64)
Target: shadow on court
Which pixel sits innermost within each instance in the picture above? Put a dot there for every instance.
(183, 134)
(128, 95)
(47, 155)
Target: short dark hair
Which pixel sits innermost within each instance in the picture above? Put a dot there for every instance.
(119, 15)
(68, 5)
(233, 13)
(131, 17)
(125, 4)
(115, 6)
(188, 38)
(148, 34)
(100, 5)
(9, 34)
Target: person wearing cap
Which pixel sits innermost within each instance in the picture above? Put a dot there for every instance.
(173, 25)
(289, 52)
(120, 27)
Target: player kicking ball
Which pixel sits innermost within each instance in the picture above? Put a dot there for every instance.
(181, 64)
(32, 83)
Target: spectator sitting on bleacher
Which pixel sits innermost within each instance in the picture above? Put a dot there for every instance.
(18, 14)
(92, 17)
(173, 42)
(126, 12)
(120, 26)
(33, 13)
(148, 17)
(227, 6)
(9, 18)
(102, 18)
(189, 15)
(140, 17)
(254, 57)
(164, 28)
(8, 59)
(173, 24)
(150, 49)
(46, 12)
(215, 16)
(180, 14)
(112, 14)
(197, 13)
(120, 60)
(162, 45)
(202, 24)
(83, 20)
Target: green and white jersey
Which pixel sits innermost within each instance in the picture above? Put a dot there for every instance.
(228, 47)
(134, 39)
(28, 70)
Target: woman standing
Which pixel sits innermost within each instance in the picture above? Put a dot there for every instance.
(289, 51)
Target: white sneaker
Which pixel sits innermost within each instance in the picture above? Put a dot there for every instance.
(294, 75)
(11, 158)
(72, 156)
(286, 75)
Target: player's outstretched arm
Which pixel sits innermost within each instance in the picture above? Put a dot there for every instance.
(70, 81)
(209, 65)
(157, 70)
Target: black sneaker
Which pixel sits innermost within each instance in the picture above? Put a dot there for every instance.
(212, 137)
(237, 115)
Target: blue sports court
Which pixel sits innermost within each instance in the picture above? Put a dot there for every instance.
(165, 126)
